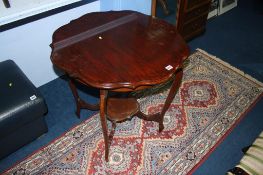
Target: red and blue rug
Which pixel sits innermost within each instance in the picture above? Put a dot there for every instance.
(212, 98)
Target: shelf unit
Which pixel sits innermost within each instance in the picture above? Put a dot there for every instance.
(191, 17)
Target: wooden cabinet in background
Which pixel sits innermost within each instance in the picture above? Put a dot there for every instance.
(191, 17)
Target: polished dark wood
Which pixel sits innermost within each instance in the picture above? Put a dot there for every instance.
(191, 17)
(118, 57)
(119, 52)
(120, 109)
(103, 99)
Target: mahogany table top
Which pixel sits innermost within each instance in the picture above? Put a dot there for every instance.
(118, 49)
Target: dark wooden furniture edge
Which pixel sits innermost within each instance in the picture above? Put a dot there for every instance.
(6, 3)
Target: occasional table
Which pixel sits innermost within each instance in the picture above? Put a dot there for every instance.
(119, 51)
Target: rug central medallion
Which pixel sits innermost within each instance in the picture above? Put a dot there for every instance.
(199, 94)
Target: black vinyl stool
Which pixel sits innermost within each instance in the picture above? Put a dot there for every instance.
(22, 109)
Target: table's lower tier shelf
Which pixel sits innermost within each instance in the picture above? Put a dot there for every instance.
(120, 109)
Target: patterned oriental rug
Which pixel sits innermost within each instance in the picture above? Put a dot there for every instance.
(212, 98)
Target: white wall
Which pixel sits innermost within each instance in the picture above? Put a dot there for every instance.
(143, 6)
(22, 9)
(28, 45)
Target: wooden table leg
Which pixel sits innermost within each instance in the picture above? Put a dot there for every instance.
(80, 104)
(103, 99)
(170, 97)
(158, 117)
(153, 8)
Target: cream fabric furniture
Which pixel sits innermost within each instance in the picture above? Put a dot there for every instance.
(252, 161)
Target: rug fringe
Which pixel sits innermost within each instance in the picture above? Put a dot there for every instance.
(232, 67)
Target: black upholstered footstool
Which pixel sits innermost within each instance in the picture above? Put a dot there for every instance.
(22, 109)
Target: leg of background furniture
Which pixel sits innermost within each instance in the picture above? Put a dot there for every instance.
(103, 98)
(170, 97)
(164, 6)
(6, 3)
